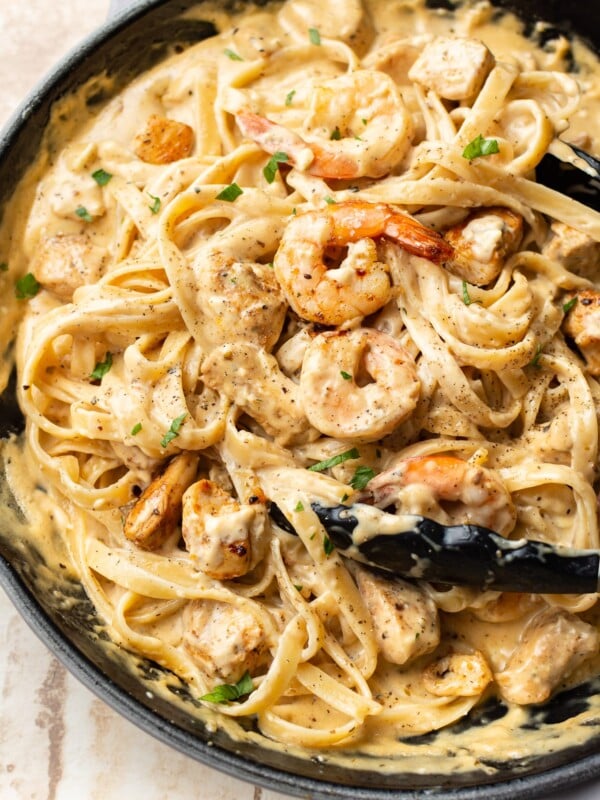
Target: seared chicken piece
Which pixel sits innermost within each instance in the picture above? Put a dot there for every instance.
(576, 251)
(225, 641)
(582, 324)
(455, 68)
(482, 243)
(63, 263)
(157, 512)
(405, 618)
(225, 537)
(164, 140)
(552, 645)
(251, 378)
(458, 675)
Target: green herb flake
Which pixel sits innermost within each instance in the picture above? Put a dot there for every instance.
(101, 368)
(136, 429)
(228, 692)
(346, 375)
(230, 193)
(155, 207)
(84, 214)
(314, 36)
(298, 587)
(328, 546)
(336, 134)
(3, 266)
(27, 287)
(232, 55)
(535, 361)
(299, 506)
(361, 477)
(173, 431)
(101, 176)
(329, 200)
(270, 171)
(569, 304)
(465, 294)
(480, 147)
(290, 97)
(335, 460)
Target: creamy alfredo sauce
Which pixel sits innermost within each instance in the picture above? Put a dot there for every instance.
(473, 749)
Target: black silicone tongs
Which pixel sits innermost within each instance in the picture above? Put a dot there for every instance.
(580, 184)
(416, 547)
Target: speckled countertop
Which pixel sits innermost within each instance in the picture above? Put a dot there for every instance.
(57, 740)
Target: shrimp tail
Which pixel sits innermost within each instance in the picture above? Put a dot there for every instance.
(417, 239)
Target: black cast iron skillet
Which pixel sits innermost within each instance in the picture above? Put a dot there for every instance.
(61, 616)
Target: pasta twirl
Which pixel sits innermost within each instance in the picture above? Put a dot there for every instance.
(308, 258)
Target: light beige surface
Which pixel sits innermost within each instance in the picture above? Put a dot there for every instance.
(57, 741)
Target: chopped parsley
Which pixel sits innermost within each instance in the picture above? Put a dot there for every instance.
(329, 200)
(27, 286)
(173, 431)
(101, 177)
(335, 460)
(155, 207)
(535, 361)
(271, 169)
(480, 147)
(361, 477)
(344, 497)
(136, 429)
(289, 97)
(299, 506)
(314, 36)
(3, 266)
(298, 587)
(569, 304)
(336, 134)
(101, 368)
(345, 375)
(230, 692)
(84, 214)
(230, 193)
(328, 546)
(465, 294)
(232, 55)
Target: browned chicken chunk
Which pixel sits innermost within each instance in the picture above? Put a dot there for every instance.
(157, 512)
(63, 263)
(582, 324)
(552, 645)
(164, 140)
(226, 538)
(455, 68)
(224, 640)
(576, 251)
(482, 243)
(405, 618)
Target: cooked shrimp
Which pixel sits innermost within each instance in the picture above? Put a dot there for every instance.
(223, 640)
(473, 494)
(458, 675)
(360, 285)
(582, 324)
(158, 510)
(553, 644)
(357, 384)
(358, 126)
(164, 140)
(405, 619)
(225, 538)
